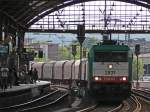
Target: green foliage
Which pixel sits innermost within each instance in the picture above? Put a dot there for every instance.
(140, 68)
(36, 58)
(89, 42)
(63, 53)
(78, 52)
(66, 53)
(39, 59)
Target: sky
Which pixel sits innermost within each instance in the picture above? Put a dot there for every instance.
(68, 37)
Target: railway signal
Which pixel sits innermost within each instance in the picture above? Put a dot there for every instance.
(81, 33)
(74, 50)
(137, 52)
(81, 38)
(137, 49)
(40, 54)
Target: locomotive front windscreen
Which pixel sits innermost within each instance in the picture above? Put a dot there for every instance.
(115, 56)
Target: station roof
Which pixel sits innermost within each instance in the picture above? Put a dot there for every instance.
(23, 11)
(27, 12)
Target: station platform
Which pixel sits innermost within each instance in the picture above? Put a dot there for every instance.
(142, 84)
(23, 92)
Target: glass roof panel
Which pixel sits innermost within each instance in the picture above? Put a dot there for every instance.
(118, 16)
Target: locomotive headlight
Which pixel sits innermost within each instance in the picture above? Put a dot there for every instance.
(96, 78)
(124, 78)
(110, 66)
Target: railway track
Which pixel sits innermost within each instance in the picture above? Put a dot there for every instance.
(102, 108)
(37, 104)
(131, 105)
(145, 94)
(144, 98)
(138, 105)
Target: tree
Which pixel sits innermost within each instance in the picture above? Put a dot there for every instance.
(75, 42)
(89, 42)
(140, 68)
(63, 52)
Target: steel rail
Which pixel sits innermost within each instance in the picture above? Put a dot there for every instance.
(30, 102)
(117, 109)
(93, 107)
(140, 94)
(60, 86)
(87, 109)
(146, 91)
(144, 97)
(138, 104)
(44, 105)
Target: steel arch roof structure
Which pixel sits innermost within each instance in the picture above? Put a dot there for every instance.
(24, 13)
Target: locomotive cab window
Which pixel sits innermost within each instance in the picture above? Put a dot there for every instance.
(110, 56)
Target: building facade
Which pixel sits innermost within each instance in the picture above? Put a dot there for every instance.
(146, 62)
(50, 50)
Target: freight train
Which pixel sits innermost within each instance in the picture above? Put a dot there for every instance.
(106, 75)
(61, 71)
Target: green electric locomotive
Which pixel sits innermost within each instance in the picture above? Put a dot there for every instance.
(110, 71)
